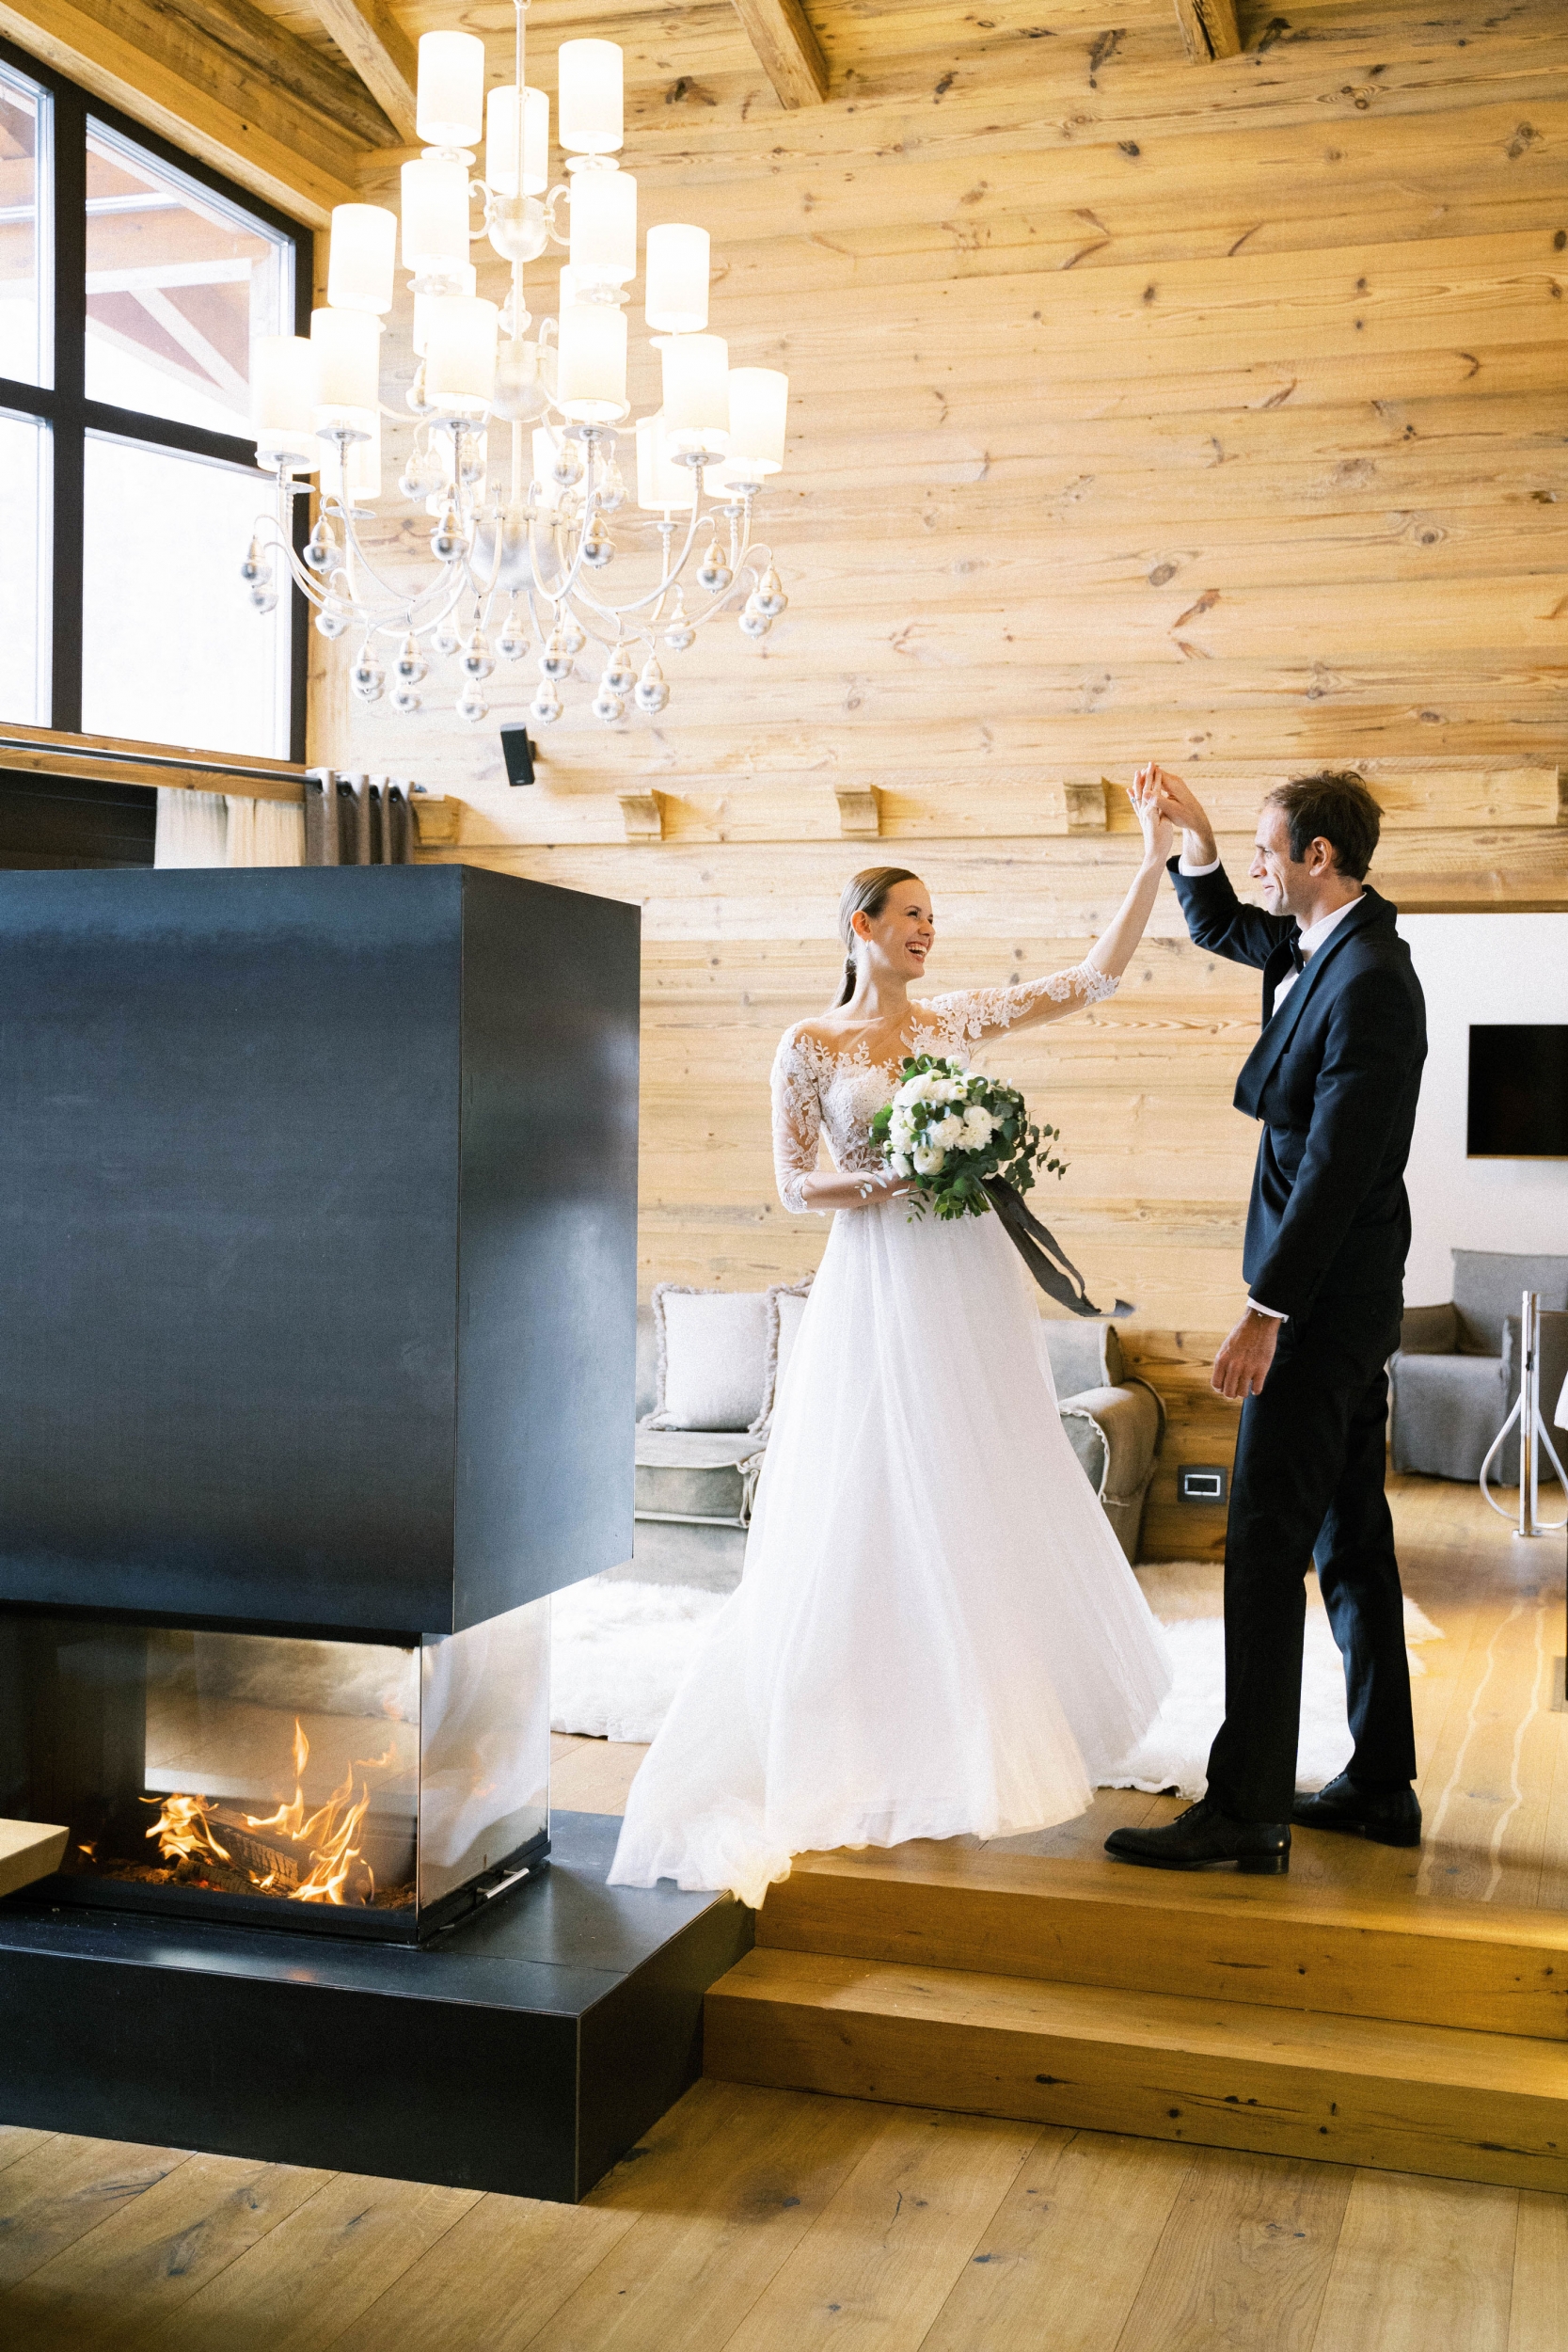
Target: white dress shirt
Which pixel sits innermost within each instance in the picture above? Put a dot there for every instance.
(1309, 941)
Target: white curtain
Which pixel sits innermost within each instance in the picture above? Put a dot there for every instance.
(265, 833)
(215, 829)
(193, 827)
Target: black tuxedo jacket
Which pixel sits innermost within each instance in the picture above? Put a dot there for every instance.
(1334, 1078)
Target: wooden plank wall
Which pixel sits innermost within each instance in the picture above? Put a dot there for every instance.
(1209, 413)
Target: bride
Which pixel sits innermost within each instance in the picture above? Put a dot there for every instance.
(936, 1632)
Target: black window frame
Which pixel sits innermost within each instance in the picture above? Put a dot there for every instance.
(71, 416)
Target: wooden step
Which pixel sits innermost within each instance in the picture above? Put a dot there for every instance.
(1405, 2098)
(1475, 1966)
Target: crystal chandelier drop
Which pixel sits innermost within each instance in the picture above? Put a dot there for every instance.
(520, 568)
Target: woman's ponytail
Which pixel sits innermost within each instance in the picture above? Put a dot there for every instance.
(863, 894)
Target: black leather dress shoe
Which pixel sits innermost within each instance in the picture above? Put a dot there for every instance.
(1202, 1837)
(1389, 1818)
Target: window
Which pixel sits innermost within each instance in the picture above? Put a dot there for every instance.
(132, 281)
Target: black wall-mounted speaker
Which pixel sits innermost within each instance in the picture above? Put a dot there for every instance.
(518, 752)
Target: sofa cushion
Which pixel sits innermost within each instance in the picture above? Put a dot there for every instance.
(1082, 1354)
(1447, 1411)
(696, 1473)
(786, 1305)
(712, 1358)
(1487, 1286)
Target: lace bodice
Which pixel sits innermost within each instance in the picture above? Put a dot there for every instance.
(817, 1092)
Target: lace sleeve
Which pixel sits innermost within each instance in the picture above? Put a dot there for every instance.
(977, 1012)
(797, 1122)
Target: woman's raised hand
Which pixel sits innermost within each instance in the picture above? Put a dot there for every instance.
(1158, 831)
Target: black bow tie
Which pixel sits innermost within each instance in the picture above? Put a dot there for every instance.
(1298, 954)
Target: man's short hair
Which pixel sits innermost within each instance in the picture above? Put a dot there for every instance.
(1335, 808)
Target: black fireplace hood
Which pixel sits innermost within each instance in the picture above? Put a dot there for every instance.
(317, 1245)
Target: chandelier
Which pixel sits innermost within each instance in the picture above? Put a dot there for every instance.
(522, 569)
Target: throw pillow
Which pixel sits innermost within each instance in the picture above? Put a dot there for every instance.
(713, 1358)
(787, 1301)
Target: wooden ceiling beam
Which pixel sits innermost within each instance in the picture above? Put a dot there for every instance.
(1208, 28)
(380, 53)
(233, 111)
(787, 50)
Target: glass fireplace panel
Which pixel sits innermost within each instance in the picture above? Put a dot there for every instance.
(484, 1774)
(353, 1787)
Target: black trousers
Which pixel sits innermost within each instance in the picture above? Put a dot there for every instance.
(1309, 1479)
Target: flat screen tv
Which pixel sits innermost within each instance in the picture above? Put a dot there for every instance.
(1518, 1094)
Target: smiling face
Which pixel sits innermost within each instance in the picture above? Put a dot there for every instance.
(1291, 885)
(899, 939)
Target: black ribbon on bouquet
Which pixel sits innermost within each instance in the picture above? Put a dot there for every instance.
(1044, 1254)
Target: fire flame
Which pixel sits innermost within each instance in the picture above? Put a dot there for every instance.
(181, 1832)
(329, 1832)
(329, 1835)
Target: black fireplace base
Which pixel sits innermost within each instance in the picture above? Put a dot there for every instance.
(525, 2051)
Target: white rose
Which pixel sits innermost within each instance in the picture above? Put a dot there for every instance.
(979, 1127)
(900, 1164)
(928, 1161)
(901, 1126)
(946, 1134)
(916, 1090)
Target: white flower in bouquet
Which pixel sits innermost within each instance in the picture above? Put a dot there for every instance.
(958, 1135)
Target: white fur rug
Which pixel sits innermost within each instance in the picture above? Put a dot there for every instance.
(620, 1649)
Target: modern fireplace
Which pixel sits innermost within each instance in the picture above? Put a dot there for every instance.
(318, 1271)
(317, 1328)
(362, 1789)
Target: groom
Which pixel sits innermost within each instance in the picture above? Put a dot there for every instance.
(1333, 1080)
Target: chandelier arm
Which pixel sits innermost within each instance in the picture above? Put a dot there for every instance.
(555, 594)
(656, 596)
(303, 578)
(399, 602)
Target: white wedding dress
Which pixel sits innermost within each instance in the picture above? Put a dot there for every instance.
(936, 1632)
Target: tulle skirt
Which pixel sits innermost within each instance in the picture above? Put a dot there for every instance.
(936, 1632)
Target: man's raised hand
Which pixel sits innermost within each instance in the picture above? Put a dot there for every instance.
(1181, 804)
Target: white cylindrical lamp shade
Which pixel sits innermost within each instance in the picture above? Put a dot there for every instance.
(500, 141)
(364, 465)
(759, 409)
(604, 228)
(696, 392)
(346, 345)
(465, 281)
(449, 106)
(363, 251)
(460, 354)
(675, 301)
(434, 216)
(588, 97)
(283, 401)
(662, 487)
(591, 381)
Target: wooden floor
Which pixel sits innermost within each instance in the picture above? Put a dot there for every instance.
(779, 2222)
(774, 2221)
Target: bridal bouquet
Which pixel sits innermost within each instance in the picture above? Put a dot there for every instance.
(953, 1131)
